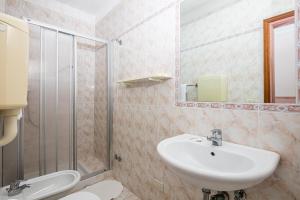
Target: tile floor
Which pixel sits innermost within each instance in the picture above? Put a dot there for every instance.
(125, 195)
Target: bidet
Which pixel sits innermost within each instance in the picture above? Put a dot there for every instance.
(41, 187)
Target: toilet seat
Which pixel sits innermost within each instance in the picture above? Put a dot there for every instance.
(106, 190)
(81, 196)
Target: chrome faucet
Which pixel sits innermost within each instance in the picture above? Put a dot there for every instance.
(15, 188)
(216, 137)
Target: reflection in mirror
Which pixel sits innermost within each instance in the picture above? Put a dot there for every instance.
(223, 53)
(279, 60)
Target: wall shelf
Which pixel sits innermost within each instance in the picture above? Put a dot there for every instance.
(145, 79)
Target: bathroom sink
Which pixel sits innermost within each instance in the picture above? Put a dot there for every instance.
(223, 168)
(45, 186)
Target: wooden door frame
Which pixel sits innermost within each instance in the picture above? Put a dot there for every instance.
(269, 25)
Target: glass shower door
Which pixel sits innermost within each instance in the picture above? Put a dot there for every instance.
(48, 124)
(91, 107)
(65, 124)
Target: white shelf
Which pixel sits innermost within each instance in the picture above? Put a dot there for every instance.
(145, 79)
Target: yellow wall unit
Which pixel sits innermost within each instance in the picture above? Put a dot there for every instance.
(14, 44)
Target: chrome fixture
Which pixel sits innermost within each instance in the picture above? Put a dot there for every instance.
(216, 137)
(220, 196)
(192, 85)
(240, 195)
(119, 41)
(15, 188)
(118, 158)
(206, 193)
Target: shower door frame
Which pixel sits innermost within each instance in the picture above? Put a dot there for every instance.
(73, 84)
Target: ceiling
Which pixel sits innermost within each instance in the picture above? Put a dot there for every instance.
(97, 8)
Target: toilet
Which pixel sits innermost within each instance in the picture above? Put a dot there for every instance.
(81, 196)
(104, 190)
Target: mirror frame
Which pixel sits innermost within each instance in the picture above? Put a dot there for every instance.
(294, 108)
(268, 27)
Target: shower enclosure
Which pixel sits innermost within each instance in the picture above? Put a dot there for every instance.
(67, 122)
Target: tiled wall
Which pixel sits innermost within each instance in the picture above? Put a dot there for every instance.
(298, 45)
(237, 26)
(146, 114)
(2, 5)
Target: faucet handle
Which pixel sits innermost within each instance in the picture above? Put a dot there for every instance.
(209, 138)
(216, 132)
(15, 184)
(25, 186)
(216, 137)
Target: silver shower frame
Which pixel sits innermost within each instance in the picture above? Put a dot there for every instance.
(74, 93)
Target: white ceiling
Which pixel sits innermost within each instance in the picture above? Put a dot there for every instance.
(97, 8)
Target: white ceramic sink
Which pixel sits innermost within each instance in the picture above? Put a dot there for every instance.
(224, 168)
(45, 186)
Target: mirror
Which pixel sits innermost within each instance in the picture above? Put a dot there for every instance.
(238, 51)
(279, 59)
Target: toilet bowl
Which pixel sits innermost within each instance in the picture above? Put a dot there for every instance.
(81, 196)
(106, 190)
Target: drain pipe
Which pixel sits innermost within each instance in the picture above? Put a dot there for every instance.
(206, 193)
(240, 195)
(220, 196)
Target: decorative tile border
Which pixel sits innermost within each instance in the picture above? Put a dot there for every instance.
(293, 108)
(220, 105)
(235, 106)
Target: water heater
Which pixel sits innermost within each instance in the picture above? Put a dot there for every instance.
(14, 44)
